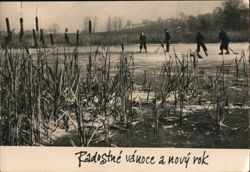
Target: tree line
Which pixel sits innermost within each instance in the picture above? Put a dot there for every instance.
(232, 16)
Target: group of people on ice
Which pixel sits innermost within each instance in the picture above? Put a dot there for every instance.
(200, 41)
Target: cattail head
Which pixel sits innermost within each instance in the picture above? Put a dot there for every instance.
(21, 30)
(7, 24)
(66, 36)
(21, 24)
(37, 24)
(90, 27)
(77, 37)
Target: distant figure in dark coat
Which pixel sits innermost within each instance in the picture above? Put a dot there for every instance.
(167, 39)
(224, 42)
(143, 42)
(200, 40)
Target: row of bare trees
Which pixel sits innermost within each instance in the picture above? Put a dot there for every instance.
(113, 24)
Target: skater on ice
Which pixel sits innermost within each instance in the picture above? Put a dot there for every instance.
(143, 42)
(167, 39)
(224, 42)
(200, 40)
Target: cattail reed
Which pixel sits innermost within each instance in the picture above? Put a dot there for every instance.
(122, 48)
(90, 44)
(42, 37)
(21, 30)
(6, 41)
(66, 38)
(7, 25)
(34, 37)
(90, 27)
(162, 44)
(77, 37)
(8, 38)
(51, 39)
(37, 24)
(236, 69)
(144, 77)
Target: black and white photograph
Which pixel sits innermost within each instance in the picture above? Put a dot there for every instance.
(143, 74)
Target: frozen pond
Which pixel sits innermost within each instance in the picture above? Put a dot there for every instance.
(155, 59)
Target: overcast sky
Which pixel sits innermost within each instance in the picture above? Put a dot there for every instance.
(71, 14)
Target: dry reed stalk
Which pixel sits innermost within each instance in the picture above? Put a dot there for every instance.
(155, 110)
(51, 39)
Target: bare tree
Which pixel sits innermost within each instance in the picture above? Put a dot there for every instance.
(119, 23)
(146, 22)
(94, 24)
(115, 23)
(128, 24)
(109, 24)
(159, 20)
(54, 27)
